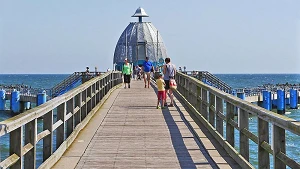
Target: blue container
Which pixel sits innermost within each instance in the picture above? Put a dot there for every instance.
(241, 96)
(280, 102)
(15, 101)
(2, 100)
(26, 105)
(267, 100)
(293, 98)
(41, 98)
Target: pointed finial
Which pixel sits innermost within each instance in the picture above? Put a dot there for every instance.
(140, 12)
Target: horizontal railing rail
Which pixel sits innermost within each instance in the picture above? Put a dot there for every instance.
(207, 103)
(210, 79)
(74, 109)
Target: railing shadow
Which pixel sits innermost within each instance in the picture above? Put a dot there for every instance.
(184, 157)
(217, 147)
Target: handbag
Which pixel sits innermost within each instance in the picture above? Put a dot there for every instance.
(173, 84)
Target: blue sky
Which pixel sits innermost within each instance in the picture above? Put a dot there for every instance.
(232, 36)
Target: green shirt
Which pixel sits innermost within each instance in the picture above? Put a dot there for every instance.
(126, 69)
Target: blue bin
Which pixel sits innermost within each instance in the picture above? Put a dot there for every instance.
(41, 98)
(15, 101)
(293, 99)
(267, 100)
(280, 102)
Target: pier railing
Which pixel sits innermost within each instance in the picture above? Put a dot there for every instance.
(210, 79)
(59, 88)
(74, 109)
(207, 105)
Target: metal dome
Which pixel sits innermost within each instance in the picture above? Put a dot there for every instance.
(142, 40)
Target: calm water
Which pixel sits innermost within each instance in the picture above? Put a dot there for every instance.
(45, 81)
(234, 80)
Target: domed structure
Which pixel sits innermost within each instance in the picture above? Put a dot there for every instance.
(138, 41)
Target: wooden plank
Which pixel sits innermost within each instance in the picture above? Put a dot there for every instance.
(76, 109)
(288, 161)
(229, 127)
(57, 124)
(219, 110)
(26, 149)
(278, 146)
(84, 106)
(263, 136)
(16, 138)
(47, 141)
(30, 139)
(60, 130)
(243, 121)
(212, 105)
(89, 99)
(77, 116)
(93, 96)
(9, 161)
(204, 104)
(69, 118)
(199, 98)
(42, 134)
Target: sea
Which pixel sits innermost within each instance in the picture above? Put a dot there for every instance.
(47, 81)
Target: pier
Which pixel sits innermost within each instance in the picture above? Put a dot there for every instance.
(199, 108)
(91, 121)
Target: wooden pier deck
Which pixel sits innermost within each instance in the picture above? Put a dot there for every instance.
(129, 132)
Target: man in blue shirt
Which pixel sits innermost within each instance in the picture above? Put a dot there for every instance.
(147, 66)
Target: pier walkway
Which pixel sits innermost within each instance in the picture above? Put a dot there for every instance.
(129, 132)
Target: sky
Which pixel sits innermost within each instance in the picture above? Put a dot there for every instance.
(232, 36)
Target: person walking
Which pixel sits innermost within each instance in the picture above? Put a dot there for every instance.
(169, 71)
(126, 71)
(160, 91)
(147, 67)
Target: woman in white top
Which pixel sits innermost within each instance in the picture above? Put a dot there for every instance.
(169, 71)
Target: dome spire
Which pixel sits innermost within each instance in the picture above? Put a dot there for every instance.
(140, 12)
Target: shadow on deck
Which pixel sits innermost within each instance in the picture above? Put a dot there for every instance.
(129, 132)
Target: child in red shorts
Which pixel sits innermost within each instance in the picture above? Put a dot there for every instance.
(161, 91)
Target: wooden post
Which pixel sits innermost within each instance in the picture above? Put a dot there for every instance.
(106, 85)
(70, 121)
(98, 93)
(60, 134)
(263, 135)
(187, 89)
(89, 103)
(212, 106)
(199, 99)
(243, 120)
(229, 127)
(102, 89)
(78, 101)
(47, 141)
(30, 137)
(16, 137)
(219, 120)
(204, 103)
(278, 146)
(83, 107)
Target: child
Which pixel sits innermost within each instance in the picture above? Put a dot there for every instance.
(161, 91)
